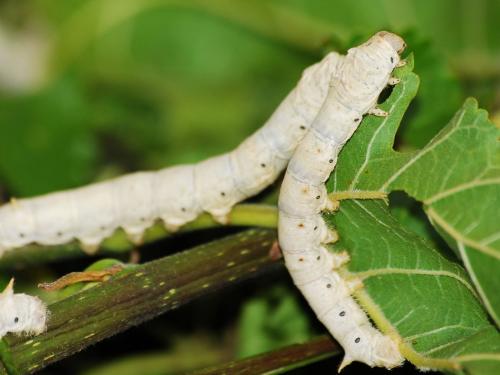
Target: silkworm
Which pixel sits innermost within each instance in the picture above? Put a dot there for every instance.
(20, 313)
(176, 195)
(303, 234)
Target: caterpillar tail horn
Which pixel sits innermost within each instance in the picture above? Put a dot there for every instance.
(9, 289)
(345, 362)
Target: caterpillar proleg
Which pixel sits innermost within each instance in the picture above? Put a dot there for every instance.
(303, 234)
(20, 313)
(175, 195)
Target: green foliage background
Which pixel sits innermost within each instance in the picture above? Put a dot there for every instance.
(143, 84)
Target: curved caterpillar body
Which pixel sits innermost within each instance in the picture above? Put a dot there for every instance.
(175, 195)
(20, 313)
(363, 74)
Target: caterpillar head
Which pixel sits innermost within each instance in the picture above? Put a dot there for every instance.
(395, 41)
(367, 71)
(381, 54)
(20, 313)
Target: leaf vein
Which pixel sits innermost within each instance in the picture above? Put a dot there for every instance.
(440, 347)
(459, 188)
(404, 271)
(424, 152)
(460, 237)
(437, 330)
(472, 274)
(411, 312)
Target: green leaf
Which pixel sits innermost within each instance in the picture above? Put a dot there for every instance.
(157, 95)
(272, 321)
(413, 291)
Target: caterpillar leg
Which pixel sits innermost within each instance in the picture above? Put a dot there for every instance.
(331, 236)
(221, 218)
(340, 259)
(89, 248)
(170, 227)
(401, 63)
(137, 238)
(332, 205)
(393, 81)
(275, 251)
(354, 285)
(376, 111)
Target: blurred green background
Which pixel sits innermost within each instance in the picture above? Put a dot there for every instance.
(91, 89)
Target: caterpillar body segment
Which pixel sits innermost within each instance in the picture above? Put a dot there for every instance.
(175, 195)
(303, 235)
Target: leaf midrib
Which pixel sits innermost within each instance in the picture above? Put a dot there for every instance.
(472, 272)
(461, 187)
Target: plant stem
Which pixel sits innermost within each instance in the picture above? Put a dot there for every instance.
(138, 294)
(278, 361)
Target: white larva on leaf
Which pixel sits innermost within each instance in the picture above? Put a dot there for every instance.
(20, 313)
(175, 195)
(363, 74)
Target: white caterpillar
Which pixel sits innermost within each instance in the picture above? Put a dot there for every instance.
(20, 313)
(178, 194)
(363, 74)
